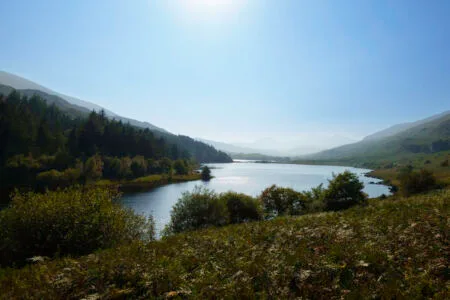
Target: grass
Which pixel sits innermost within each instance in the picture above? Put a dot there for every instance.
(395, 248)
(431, 162)
(147, 182)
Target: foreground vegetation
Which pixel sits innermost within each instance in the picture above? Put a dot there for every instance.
(204, 208)
(74, 221)
(395, 248)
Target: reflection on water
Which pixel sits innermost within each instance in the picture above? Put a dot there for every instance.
(248, 178)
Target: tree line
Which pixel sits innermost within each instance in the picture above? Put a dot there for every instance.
(41, 142)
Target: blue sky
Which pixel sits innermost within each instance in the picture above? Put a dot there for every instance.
(315, 73)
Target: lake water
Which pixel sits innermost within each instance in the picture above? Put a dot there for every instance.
(243, 177)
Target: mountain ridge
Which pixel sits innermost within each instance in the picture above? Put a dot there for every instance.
(202, 152)
(20, 83)
(428, 135)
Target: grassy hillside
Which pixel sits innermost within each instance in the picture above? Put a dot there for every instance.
(396, 248)
(402, 127)
(435, 163)
(429, 137)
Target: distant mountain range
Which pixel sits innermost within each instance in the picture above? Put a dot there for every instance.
(80, 108)
(262, 147)
(424, 136)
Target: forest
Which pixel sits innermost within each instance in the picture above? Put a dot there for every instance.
(43, 146)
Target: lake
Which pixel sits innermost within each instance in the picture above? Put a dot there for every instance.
(243, 177)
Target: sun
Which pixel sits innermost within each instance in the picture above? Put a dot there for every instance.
(211, 8)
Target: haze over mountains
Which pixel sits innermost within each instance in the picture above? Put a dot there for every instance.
(429, 134)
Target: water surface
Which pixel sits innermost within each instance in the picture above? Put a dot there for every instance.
(243, 177)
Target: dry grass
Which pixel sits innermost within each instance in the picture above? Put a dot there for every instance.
(396, 248)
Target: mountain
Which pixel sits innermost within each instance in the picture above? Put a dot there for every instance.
(425, 136)
(202, 152)
(20, 83)
(230, 148)
(260, 148)
(402, 127)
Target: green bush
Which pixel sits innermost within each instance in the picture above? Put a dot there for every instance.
(54, 178)
(315, 199)
(138, 166)
(206, 173)
(343, 191)
(241, 207)
(93, 168)
(72, 221)
(279, 201)
(415, 182)
(197, 209)
(181, 167)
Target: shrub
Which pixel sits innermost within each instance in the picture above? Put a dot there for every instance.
(54, 178)
(71, 221)
(315, 199)
(206, 173)
(138, 166)
(125, 167)
(279, 201)
(444, 163)
(165, 165)
(203, 208)
(414, 182)
(181, 167)
(344, 190)
(93, 169)
(241, 207)
(197, 209)
(112, 167)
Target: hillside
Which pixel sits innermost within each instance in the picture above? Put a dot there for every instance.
(398, 128)
(20, 83)
(427, 136)
(200, 151)
(364, 252)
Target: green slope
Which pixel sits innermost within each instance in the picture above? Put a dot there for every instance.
(428, 137)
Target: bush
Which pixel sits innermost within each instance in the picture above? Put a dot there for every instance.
(71, 221)
(241, 207)
(206, 173)
(112, 167)
(444, 163)
(315, 199)
(181, 167)
(54, 178)
(278, 201)
(166, 165)
(414, 182)
(138, 166)
(93, 169)
(203, 208)
(343, 191)
(197, 209)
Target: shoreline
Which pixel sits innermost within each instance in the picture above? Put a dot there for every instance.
(147, 183)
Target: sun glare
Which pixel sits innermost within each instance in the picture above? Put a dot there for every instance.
(206, 9)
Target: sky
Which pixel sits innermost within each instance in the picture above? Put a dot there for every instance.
(288, 73)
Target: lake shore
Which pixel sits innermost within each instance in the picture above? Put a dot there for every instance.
(147, 183)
